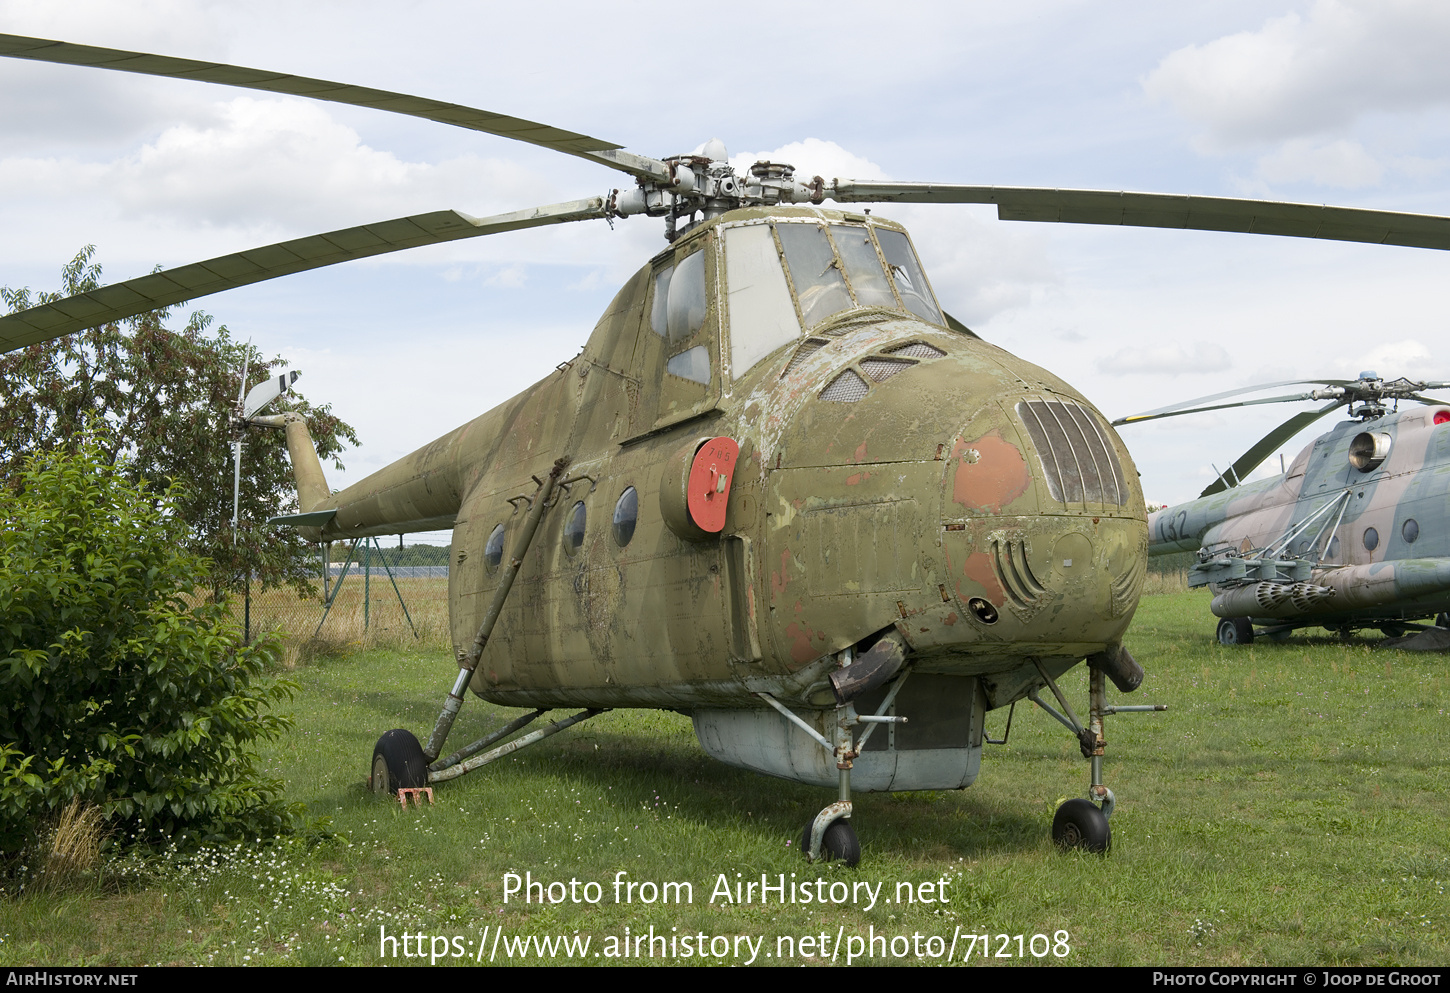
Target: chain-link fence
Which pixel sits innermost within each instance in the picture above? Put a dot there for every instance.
(367, 608)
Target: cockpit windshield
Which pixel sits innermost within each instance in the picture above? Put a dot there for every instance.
(786, 277)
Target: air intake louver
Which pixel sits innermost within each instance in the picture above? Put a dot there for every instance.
(881, 370)
(918, 350)
(808, 348)
(1077, 457)
(845, 388)
(1025, 592)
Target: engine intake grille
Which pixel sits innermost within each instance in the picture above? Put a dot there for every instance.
(1077, 458)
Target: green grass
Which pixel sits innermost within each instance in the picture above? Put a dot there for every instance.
(1290, 808)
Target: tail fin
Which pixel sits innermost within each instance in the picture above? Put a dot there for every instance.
(312, 490)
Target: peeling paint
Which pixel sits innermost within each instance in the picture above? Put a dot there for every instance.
(997, 477)
(978, 569)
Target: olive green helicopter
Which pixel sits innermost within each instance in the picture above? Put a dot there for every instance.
(780, 490)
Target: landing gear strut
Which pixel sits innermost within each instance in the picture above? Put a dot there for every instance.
(1083, 824)
(399, 762)
(829, 835)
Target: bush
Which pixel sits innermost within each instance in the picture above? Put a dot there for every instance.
(114, 688)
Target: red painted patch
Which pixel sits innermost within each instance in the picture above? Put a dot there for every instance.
(779, 580)
(998, 477)
(860, 455)
(800, 642)
(859, 477)
(951, 619)
(979, 570)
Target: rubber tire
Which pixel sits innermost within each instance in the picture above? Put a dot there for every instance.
(1442, 619)
(398, 763)
(1235, 631)
(839, 842)
(1080, 825)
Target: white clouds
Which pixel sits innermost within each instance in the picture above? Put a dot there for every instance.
(1303, 75)
(1343, 163)
(287, 162)
(1394, 359)
(1166, 360)
(814, 157)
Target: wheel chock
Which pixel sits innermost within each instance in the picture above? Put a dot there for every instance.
(417, 793)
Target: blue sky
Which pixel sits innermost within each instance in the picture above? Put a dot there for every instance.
(1327, 102)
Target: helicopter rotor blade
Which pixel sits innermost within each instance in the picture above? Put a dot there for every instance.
(236, 486)
(1265, 446)
(1193, 406)
(267, 391)
(1163, 210)
(556, 139)
(173, 286)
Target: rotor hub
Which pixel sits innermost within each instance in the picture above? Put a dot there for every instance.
(704, 182)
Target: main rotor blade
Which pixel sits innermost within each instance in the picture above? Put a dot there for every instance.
(557, 139)
(1163, 210)
(1192, 406)
(1264, 447)
(173, 286)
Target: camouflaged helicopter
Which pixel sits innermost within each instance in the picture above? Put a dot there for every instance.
(1353, 534)
(780, 489)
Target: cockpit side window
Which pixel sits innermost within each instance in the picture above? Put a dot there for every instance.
(659, 309)
(906, 272)
(762, 316)
(685, 313)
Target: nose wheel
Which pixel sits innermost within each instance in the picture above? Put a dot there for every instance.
(829, 835)
(1079, 824)
(833, 839)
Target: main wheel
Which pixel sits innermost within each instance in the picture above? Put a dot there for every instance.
(398, 763)
(839, 842)
(1080, 824)
(1235, 631)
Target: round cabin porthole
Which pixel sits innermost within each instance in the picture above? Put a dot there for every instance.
(574, 529)
(1371, 539)
(493, 551)
(1410, 530)
(626, 514)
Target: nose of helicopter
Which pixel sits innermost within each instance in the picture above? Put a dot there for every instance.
(1042, 526)
(970, 500)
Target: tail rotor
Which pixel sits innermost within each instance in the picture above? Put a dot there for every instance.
(249, 404)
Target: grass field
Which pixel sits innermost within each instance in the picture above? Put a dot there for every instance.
(1290, 808)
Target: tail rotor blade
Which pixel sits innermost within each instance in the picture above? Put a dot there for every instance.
(265, 392)
(236, 486)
